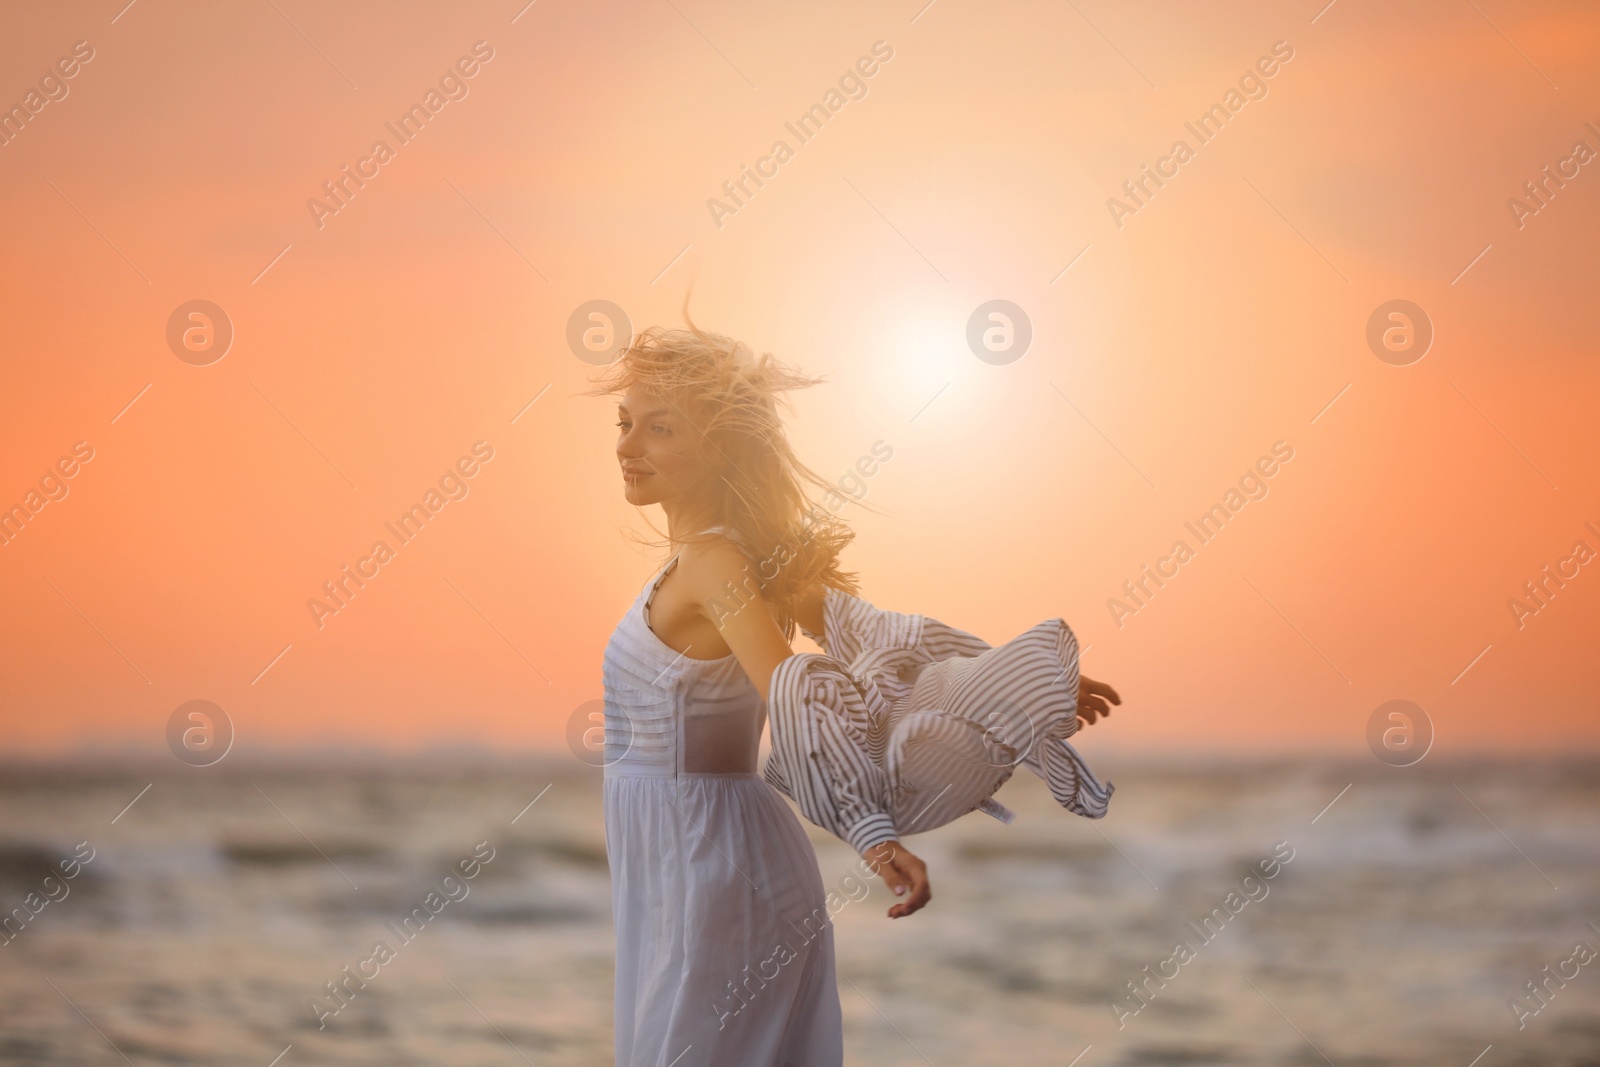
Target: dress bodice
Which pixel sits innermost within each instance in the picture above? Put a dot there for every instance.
(669, 715)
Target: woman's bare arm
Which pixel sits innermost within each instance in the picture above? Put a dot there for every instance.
(756, 642)
(718, 579)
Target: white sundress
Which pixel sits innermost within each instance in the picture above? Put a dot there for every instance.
(725, 954)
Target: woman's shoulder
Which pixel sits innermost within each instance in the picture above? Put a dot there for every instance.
(710, 560)
(719, 539)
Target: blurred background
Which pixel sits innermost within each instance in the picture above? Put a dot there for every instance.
(274, 273)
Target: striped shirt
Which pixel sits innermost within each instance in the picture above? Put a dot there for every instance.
(907, 723)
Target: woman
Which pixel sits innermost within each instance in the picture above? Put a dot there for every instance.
(713, 878)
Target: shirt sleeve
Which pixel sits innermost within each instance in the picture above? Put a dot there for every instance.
(825, 728)
(833, 715)
(1071, 782)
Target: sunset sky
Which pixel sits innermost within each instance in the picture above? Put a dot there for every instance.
(1173, 346)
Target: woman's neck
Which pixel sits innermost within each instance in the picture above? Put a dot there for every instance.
(682, 525)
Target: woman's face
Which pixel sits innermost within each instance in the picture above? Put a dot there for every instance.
(659, 451)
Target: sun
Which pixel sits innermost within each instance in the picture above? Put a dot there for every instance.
(927, 350)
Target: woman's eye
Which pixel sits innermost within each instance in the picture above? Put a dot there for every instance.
(661, 427)
(622, 425)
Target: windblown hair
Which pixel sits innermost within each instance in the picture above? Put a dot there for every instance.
(730, 396)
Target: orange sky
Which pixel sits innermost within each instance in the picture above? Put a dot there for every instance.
(1220, 317)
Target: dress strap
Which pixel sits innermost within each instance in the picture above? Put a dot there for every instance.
(655, 583)
(733, 535)
(650, 591)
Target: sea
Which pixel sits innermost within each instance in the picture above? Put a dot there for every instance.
(1277, 911)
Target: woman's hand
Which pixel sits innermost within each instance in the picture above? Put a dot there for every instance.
(1092, 697)
(903, 873)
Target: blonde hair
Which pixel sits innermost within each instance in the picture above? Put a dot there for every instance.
(730, 396)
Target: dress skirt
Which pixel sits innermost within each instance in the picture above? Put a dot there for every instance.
(731, 964)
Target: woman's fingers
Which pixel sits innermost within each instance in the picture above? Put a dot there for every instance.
(1092, 708)
(895, 879)
(919, 892)
(883, 859)
(904, 874)
(1099, 689)
(1093, 697)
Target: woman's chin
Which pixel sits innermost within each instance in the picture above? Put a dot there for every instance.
(639, 496)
